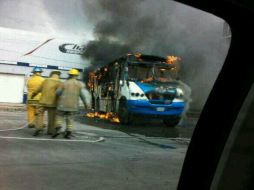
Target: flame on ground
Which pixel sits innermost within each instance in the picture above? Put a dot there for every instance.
(105, 116)
(115, 120)
(90, 115)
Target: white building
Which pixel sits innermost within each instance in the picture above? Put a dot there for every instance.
(20, 51)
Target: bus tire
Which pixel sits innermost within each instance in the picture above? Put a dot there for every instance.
(171, 122)
(123, 113)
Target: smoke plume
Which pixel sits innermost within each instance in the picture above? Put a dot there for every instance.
(159, 28)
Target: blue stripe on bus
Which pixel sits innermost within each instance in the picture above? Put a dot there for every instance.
(145, 107)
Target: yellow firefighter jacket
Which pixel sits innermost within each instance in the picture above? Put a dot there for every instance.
(48, 92)
(32, 84)
(70, 91)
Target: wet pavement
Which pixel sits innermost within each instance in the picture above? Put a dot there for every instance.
(100, 155)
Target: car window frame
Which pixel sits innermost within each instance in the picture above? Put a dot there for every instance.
(225, 100)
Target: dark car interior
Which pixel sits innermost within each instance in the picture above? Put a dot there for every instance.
(220, 154)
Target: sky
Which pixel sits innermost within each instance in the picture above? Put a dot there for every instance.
(62, 18)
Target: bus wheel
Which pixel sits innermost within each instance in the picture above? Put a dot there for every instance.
(124, 115)
(171, 122)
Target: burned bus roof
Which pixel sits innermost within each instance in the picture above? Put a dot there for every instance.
(139, 59)
(146, 58)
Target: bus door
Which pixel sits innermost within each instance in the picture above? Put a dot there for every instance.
(109, 88)
(116, 76)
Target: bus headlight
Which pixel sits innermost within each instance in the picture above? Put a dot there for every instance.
(179, 92)
(137, 94)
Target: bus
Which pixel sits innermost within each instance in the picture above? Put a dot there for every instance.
(139, 85)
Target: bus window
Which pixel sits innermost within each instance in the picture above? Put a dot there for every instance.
(139, 72)
(164, 74)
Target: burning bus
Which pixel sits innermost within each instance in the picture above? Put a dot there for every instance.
(139, 85)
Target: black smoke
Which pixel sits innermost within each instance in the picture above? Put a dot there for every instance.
(159, 28)
(121, 30)
(104, 50)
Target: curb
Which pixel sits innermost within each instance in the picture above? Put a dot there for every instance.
(12, 107)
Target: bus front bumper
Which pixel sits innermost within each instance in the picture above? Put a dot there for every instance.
(144, 107)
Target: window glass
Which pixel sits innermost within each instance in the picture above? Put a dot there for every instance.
(139, 116)
(238, 149)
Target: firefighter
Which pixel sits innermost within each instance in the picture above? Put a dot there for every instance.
(32, 84)
(68, 104)
(47, 103)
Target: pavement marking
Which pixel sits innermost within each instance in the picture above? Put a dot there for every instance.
(177, 139)
(85, 133)
(100, 139)
(23, 126)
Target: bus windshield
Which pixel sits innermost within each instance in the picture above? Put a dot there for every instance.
(151, 72)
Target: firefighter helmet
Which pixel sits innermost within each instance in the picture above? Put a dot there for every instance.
(37, 70)
(73, 72)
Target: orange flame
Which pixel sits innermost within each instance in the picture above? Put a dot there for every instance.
(115, 120)
(138, 56)
(90, 82)
(90, 114)
(104, 116)
(171, 59)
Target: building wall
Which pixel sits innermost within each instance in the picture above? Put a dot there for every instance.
(11, 88)
(20, 51)
(16, 71)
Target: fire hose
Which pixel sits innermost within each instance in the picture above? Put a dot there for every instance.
(99, 139)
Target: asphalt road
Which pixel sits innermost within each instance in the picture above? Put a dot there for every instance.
(100, 155)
